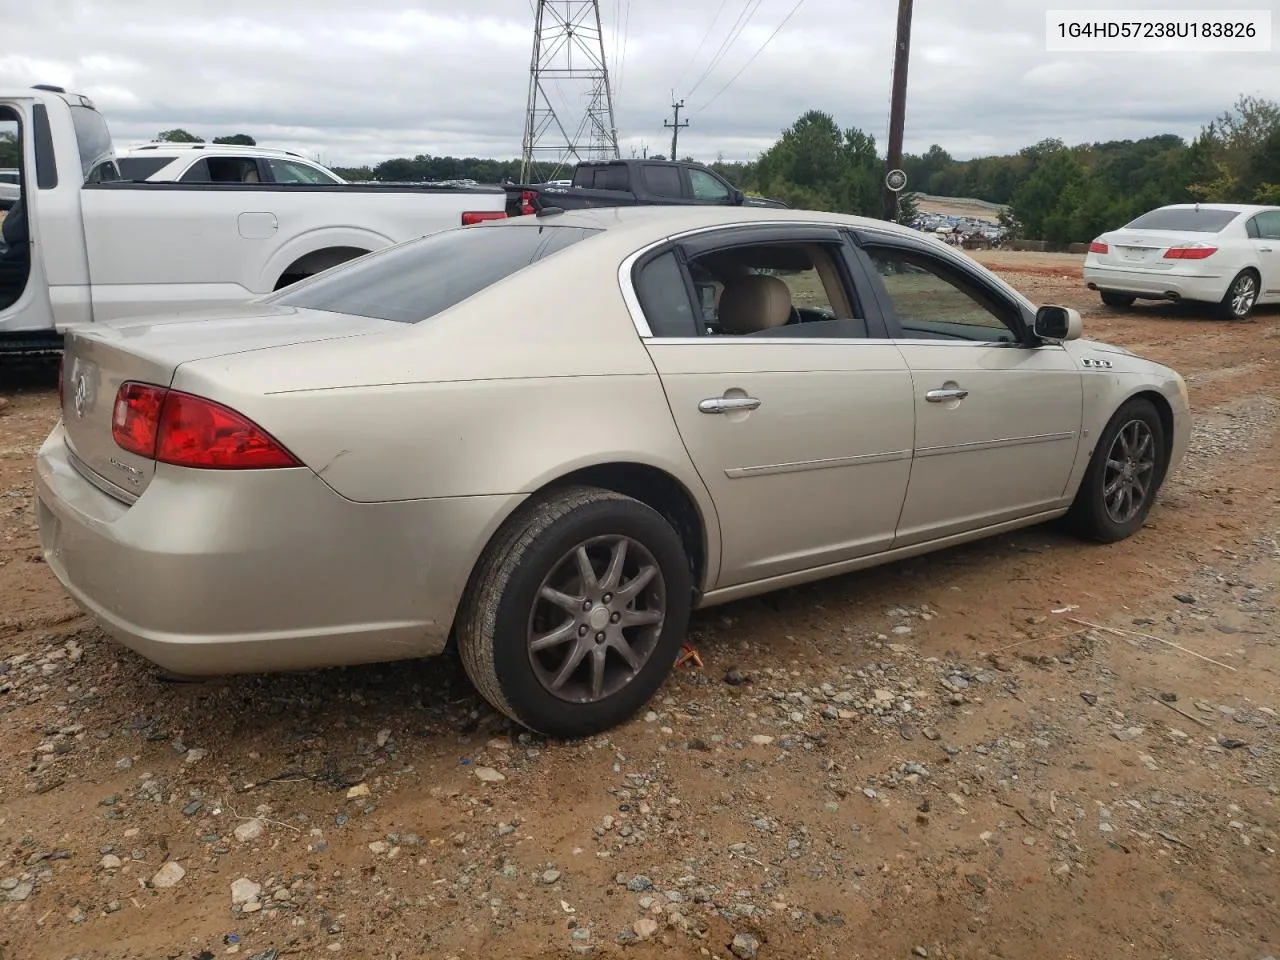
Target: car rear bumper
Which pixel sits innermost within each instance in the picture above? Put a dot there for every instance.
(1157, 284)
(216, 572)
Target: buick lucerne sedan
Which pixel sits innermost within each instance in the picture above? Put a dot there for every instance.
(548, 439)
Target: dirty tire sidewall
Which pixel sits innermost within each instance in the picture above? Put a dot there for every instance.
(1088, 514)
(1118, 301)
(493, 631)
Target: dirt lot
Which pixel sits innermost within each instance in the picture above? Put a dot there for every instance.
(941, 758)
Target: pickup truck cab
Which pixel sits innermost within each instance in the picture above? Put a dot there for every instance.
(84, 245)
(618, 183)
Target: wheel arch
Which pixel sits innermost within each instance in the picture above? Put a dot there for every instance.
(317, 242)
(651, 485)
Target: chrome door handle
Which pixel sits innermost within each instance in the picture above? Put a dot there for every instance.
(728, 404)
(942, 396)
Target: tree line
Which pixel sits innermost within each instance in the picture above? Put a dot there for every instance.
(1053, 191)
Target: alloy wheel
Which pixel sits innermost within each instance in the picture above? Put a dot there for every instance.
(1127, 480)
(596, 619)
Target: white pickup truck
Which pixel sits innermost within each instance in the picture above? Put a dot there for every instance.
(82, 245)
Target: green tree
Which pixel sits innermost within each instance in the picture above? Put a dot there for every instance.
(237, 140)
(177, 135)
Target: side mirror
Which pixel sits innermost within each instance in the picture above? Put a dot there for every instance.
(738, 197)
(1058, 324)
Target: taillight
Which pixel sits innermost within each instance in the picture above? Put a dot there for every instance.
(1098, 247)
(1189, 253)
(479, 216)
(189, 431)
(527, 197)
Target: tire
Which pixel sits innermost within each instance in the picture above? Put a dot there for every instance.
(1090, 516)
(1241, 297)
(504, 608)
(1121, 301)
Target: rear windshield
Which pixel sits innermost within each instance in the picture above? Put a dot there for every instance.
(418, 279)
(1189, 220)
(139, 168)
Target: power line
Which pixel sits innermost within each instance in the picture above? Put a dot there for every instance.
(777, 30)
(703, 42)
(748, 10)
(622, 60)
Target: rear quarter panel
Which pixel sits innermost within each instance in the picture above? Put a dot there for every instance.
(503, 393)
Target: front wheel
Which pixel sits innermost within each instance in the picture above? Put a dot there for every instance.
(576, 612)
(1240, 298)
(1123, 476)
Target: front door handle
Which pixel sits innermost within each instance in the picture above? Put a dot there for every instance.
(942, 396)
(728, 404)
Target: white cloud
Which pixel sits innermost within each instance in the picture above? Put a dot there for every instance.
(361, 82)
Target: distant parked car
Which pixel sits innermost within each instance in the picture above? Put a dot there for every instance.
(219, 163)
(547, 438)
(1226, 255)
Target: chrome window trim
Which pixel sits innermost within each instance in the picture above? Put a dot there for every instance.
(632, 301)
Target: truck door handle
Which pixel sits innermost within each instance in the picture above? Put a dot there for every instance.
(942, 396)
(728, 404)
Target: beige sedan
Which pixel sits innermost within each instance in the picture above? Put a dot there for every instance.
(547, 439)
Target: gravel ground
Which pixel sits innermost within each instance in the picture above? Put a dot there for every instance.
(1024, 747)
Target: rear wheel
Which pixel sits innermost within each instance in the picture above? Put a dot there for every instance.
(1240, 298)
(1120, 301)
(1123, 477)
(576, 612)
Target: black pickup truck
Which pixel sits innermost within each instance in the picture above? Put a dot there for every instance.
(626, 183)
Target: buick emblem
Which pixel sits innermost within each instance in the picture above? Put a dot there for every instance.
(82, 395)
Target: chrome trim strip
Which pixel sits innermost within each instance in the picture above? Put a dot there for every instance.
(767, 470)
(847, 341)
(624, 270)
(993, 444)
(102, 483)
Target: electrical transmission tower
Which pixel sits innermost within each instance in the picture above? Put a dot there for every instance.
(568, 58)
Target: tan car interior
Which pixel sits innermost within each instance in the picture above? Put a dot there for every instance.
(749, 303)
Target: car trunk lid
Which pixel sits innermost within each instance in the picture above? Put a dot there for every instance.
(98, 359)
(1146, 249)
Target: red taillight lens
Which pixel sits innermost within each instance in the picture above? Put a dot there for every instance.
(1189, 253)
(190, 431)
(1098, 247)
(135, 419)
(526, 202)
(479, 216)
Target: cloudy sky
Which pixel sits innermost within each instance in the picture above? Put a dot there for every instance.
(357, 82)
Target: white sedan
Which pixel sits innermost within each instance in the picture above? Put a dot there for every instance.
(1227, 255)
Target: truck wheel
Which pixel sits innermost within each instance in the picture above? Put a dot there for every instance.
(576, 612)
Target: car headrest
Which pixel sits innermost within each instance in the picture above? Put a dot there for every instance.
(752, 303)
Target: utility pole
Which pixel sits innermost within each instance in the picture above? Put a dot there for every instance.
(675, 128)
(898, 104)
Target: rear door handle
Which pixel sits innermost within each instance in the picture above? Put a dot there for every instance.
(942, 396)
(728, 404)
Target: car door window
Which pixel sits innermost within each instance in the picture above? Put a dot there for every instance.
(707, 187)
(777, 289)
(223, 170)
(289, 171)
(661, 181)
(935, 301)
(1268, 225)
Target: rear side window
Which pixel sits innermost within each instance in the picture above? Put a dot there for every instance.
(1188, 220)
(416, 280)
(139, 168)
(661, 181)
